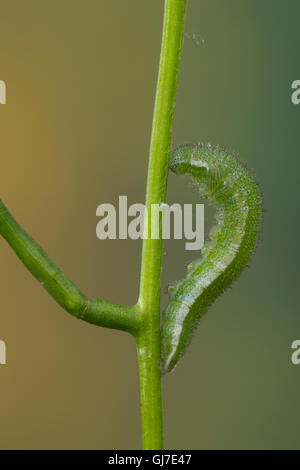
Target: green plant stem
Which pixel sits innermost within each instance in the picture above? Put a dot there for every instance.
(148, 338)
(143, 319)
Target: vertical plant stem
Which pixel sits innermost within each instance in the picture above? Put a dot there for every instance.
(148, 340)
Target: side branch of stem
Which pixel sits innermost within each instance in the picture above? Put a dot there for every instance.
(57, 284)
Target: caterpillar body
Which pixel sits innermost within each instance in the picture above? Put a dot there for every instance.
(233, 190)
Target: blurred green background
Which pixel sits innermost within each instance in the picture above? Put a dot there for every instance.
(75, 131)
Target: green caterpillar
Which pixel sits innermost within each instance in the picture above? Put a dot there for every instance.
(229, 186)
